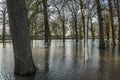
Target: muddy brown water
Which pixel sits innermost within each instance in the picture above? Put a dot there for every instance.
(65, 61)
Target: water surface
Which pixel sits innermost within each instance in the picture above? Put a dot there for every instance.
(66, 61)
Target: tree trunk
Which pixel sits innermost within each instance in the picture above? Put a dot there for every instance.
(107, 30)
(106, 22)
(100, 19)
(63, 25)
(19, 28)
(46, 22)
(118, 13)
(92, 30)
(83, 18)
(87, 24)
(75, 21)
(80, 32)
(4, 28)
(112, 21)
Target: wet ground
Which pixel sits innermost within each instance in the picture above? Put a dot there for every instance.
(65, 62)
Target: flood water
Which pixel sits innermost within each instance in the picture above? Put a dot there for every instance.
(65, 61)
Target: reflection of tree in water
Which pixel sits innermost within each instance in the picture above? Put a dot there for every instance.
(67, 60)
(81, 44)
(43, 74)
(101, 69)
(75, 53)
(64, 51)
(46, 64)
(108, 64)
(106, 60)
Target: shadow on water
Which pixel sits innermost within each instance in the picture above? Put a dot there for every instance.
(65, 61)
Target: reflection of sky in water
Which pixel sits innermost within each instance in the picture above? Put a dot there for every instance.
(6, 64)
(66, 61)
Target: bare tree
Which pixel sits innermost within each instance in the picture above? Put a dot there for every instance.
(3, 12)
(100, 20)
(4, 27)
(112, 21)
(74, 11)
(46, 22)
(60, 8)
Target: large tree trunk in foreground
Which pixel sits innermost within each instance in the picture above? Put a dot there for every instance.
(100, 19)
(20, 36)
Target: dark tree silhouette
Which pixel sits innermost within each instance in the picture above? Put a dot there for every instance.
(46, 22)
(4, 27)
(82, 15)
(118, 14)
(100, 20)
(112, 21)
(19, 28)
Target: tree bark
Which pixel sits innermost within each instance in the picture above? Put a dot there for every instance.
(107, 30)
(112, 21)
(75, 24)
(80, 32)
(46, 22)
(118, 14)
(4, 28)
(100, 20)
(19, 28)
(92, 30)
(46, 64)
(82, 15)
(63, 26)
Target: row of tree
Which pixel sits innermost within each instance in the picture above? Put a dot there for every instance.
(61, 17)
(66, 19)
